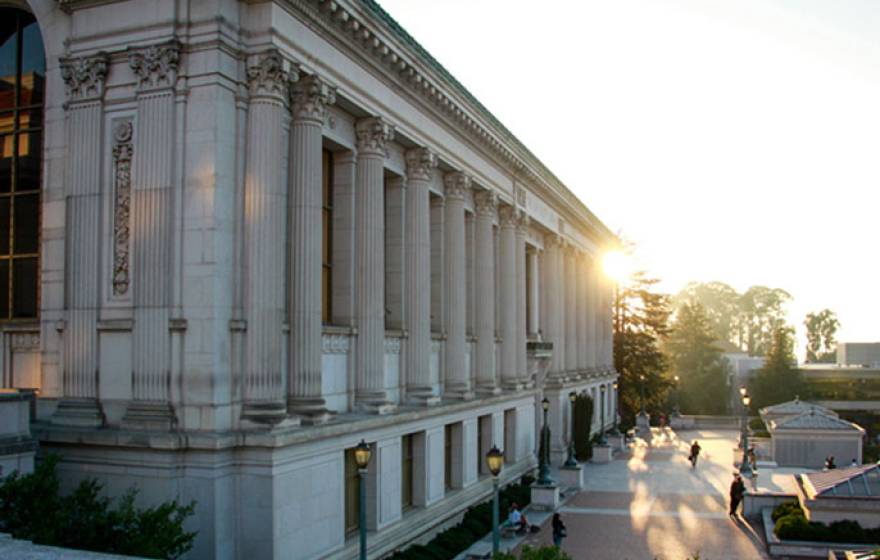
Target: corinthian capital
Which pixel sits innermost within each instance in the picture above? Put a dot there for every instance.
(84, 77)
(155, 66)
(268, 76)
(373, 134)
(522, 225)
(310, 97)
(420, 163)
(456, 184)
(554, 241)
(508, 216)
(485, 203)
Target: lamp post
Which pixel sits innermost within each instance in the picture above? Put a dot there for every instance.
(602, 440)
(642, 390)
(744, 467)
(571, 461)
(362, 454)
(495, 460)
(676, 411)
(616, 386)
(543, 461)
(742, 394)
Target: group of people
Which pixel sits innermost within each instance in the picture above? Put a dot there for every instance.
(517, 519)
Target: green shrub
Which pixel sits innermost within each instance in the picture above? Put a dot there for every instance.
(529, 553)
(757, 424)
(791, 524)
(31, 508)
(786, 508)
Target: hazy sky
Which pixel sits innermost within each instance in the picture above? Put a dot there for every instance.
(730, 140)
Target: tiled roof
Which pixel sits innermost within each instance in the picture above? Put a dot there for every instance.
(797, 406)
(814, 420)
(853, 482)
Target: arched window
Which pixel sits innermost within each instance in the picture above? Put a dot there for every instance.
(22, 81)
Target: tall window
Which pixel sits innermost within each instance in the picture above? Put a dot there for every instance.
(352, 493)
(406, 472)
(22, 79)
(447, 456)
(327, 237)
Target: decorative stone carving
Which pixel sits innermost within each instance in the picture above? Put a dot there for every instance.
(373, 135)
(155, 66)
(486, 203)
(268, 76)
(25, 341)
(335, 344)
(392, 346)
(521, 196)
(310, 97)
(508, 216)
(420, 163)
(85, 77)
(522, 225)
(122, 152)
(456, 184)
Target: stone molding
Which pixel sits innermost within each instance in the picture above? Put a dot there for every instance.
(85, 77)
(456, 184)
(122, 152)
(269, 78)
(373, 135)
(25, 341)
(335, 344)
(392, 345)
(155, 66)
(420, 164)
(310, 97)
(486, 203)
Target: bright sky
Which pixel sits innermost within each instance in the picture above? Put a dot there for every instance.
(732, 141)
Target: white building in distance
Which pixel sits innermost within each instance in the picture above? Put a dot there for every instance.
(237, 238)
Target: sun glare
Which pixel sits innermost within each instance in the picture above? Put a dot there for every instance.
(617, 266)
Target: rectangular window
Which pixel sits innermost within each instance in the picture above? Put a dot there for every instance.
(509, 435)
(484, 427)
(327, 236)
(352, 493)
(447, 456)
(406, 472)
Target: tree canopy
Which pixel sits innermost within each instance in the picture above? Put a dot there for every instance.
(778, 380)
(821, 331)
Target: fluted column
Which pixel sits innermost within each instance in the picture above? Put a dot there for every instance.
(552, 309)
(593, 343)
(583, 342)
(457, 380)
(420, 165)
(310, 98)
(507, 280)
(265, 229)
(571, 339)
(522, 227)
(155, 69)
(485, 204)
(534, 293)
(84, 78)
(372, 135)
(607, 291)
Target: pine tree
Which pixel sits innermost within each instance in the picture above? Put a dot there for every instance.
(779, 380)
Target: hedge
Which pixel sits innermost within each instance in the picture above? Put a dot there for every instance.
(792, 524)
(477, 522)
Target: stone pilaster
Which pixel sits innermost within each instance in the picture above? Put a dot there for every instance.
(485, 203)
(508, 282)
(534, 293)
(522, 227)
(372, 136)
(155, 69)
(571, 338)
(84, 78)
(420, 165)
(265, 228)
(457, 379)
(583, 343)
(309, 99)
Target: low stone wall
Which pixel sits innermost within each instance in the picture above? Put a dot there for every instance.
(755, 504)
(695, 422)
(806, 549)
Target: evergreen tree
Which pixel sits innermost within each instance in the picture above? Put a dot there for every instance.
(779, 380)
(640, 323)
(702, 369)
(821, 330)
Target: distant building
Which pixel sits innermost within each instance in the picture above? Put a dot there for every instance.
(865, 354)
(742, 367)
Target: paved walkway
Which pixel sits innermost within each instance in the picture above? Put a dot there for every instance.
(649, 504)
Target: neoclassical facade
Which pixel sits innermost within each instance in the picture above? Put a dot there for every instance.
(237, 238)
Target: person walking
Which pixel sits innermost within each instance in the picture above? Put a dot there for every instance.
(559, 531)
(737, 491)
(695, 453)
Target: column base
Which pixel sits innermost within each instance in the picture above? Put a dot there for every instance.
(488, 390)
(375, 403)
(459, 393)
(149, 416)
(555, 380)
(81, 413)
(513, 385)
(423, 397)
(310, 411)
(266, 416)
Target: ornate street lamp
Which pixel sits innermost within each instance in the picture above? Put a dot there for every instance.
(602, 440)
(616, 386)
(744, 467)
(362, 454)
(742, 394)
(676, 411)
(642, 389)
(544, 460)
(571, 461)
(495, 460)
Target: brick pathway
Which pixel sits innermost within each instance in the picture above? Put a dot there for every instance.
(649, 504)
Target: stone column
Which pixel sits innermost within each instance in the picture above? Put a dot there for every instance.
(571, 338)
(420, 164)
(508, 282)
(522, 227)
(155, 69)
(583, 342)
(265, 229)
(592, 325)
(457, 378)
(606, 318)
(372, 135)
(85, 78)
(310, 98)
(534, 292)
(485, 204)
(553, 287)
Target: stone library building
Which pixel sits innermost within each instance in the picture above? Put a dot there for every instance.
(239, 237)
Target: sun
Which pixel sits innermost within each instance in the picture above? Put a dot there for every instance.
(617, 266)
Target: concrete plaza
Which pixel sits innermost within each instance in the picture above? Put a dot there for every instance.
(648, 503)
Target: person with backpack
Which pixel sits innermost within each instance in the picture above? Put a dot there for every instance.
(559, 530)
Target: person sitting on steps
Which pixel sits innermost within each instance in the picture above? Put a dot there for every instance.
(517, 519)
